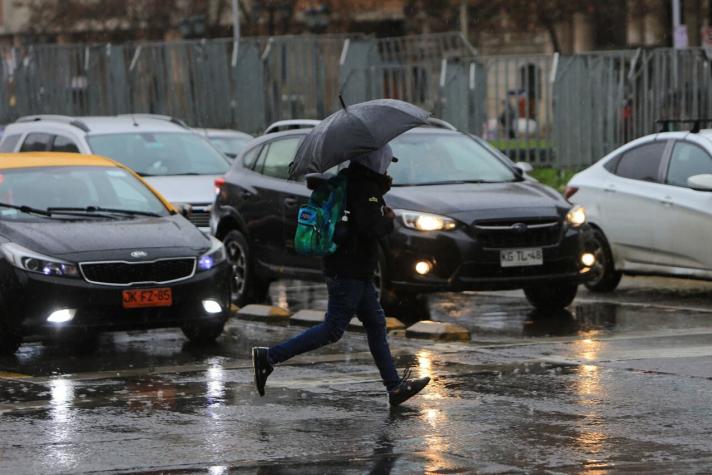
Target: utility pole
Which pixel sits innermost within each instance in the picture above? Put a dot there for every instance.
(236, 21)
(464, 20)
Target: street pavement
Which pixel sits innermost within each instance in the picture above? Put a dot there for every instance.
(617, 383)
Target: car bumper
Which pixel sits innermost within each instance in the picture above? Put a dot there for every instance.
(33, 297)
(461, 262)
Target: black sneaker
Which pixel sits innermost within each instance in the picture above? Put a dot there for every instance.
(261, 367)
(406, 389)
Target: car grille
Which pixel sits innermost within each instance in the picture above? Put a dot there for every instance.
(162, 271)
(200, 216)
(505, 235)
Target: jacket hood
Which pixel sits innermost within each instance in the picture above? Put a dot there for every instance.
(169, 236)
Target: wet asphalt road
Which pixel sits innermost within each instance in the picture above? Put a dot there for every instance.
(617, 384)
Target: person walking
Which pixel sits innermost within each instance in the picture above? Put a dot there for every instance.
(349, 278)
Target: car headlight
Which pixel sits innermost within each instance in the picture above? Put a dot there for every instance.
(576, 216)
(216, 255)
(31, 261)
(426, 221)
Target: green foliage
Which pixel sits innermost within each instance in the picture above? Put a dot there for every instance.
(554, 177)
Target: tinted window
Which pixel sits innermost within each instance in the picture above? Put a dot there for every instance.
(642, 163)
(687, 160)
(64, 144)
(278, 157)
(9, 143)
(445, 158)
(105, 187)
(36, 143)
(250, 157)
(161, 154)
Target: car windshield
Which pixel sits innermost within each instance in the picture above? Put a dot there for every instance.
(433, 158)
(231, 145)
(160, 154)
(99, 191)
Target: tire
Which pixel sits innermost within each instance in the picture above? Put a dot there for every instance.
(552, 296)
(203, 332)
(10, 339)
(405, 306)
(245, 286)
(605, 277)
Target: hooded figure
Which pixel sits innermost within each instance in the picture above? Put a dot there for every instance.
(349, 279)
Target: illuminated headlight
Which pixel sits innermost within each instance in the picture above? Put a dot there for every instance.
(216, 255)
(425, 221)
(31, 261)
(576, 216)
(62, 316)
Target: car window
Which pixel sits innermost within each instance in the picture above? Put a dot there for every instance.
(231, 145)
(64, 144)
(36, 143)
(642, 163)
(687, 160)
(250, 157)
(161, 153)
(278, 157)
(10, 142)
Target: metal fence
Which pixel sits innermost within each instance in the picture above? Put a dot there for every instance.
(566, 111)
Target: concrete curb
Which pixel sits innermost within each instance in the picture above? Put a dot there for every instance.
(264, 313)
(428, 329)
(315, 317)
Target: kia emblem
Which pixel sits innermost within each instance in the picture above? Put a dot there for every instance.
(138, 254)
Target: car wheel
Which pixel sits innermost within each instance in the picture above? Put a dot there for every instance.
(604, 277)
(203, 332)
(551, 296)
(10, 339)
(245, 287)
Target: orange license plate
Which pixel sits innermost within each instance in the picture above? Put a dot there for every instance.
(141, 298)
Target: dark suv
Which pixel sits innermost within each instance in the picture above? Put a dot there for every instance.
(467, 219)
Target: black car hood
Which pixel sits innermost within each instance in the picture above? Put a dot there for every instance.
(469, 202)
(168, 236)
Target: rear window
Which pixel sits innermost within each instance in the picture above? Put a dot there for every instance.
(9, 143)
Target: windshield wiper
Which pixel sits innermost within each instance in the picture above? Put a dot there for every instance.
(99, 211)
(27, 209)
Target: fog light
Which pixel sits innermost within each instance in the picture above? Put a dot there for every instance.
(62, 316)
(588, 259)
(423, 267)
(211, 306)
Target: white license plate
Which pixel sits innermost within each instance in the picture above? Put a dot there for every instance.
(521, 257)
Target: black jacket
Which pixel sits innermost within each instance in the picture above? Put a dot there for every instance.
(357, 253)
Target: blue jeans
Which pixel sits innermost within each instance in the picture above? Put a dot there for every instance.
(347, 297)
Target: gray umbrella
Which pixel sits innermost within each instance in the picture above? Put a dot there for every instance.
(353, 131)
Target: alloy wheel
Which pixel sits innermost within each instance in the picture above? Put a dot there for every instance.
(238, 265)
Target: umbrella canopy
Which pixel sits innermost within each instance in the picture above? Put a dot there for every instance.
(355, 130)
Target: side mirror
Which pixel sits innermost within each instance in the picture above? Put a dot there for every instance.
(524, 167)
(315, 180)
(700, 182)
(183, 209)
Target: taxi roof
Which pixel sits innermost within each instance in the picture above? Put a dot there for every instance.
(53, 159)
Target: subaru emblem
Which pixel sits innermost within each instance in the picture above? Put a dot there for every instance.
(519, 228)
(138, 254)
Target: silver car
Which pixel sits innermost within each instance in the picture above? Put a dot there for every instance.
(230, 142)
(179, 163)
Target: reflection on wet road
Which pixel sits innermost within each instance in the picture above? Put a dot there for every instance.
(606, 386)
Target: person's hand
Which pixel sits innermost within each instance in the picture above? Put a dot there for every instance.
(388, 213)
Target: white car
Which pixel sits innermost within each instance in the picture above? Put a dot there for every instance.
(179, 163)
(650, 203)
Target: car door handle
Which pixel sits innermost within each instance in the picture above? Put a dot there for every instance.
(667, 201)
(290, 202)
(610, 189)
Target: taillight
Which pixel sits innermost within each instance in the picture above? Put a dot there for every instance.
(570, 191)
(219, 182)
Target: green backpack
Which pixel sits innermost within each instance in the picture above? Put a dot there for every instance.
(317, 220)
